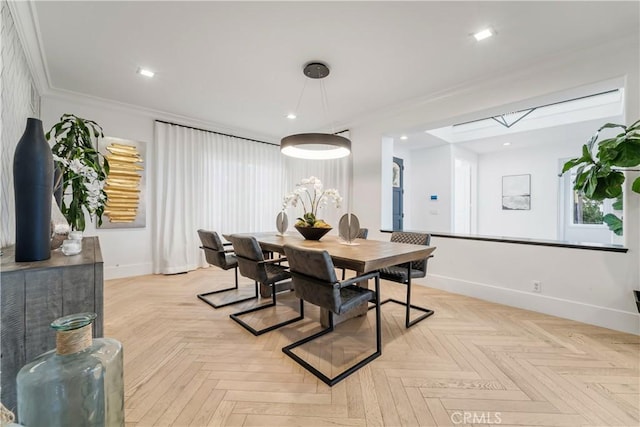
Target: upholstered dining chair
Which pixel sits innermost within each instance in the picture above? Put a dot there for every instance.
(362, 234)
(314, 280)
(216, 254)
(403, 273)
(252, 264)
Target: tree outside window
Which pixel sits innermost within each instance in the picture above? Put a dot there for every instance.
(586, 211)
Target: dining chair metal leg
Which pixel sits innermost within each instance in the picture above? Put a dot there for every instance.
(203, 296)
(256, 332)
(408, 322)
(287, 350)
(332, 381)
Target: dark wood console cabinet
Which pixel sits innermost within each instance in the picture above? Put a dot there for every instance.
(33, 294)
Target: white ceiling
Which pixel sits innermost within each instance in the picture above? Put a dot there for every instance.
(239, 64)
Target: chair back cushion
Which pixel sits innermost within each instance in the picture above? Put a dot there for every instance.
(314, 263)
(413, 239)
(249, 255)
(363, 233)
(246, 247)
(211, 240)
(314, 278)
(214, 250)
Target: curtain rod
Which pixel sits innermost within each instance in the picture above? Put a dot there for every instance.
(226, 134)
(217, 133)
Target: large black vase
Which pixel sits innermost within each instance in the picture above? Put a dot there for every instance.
(32, 185)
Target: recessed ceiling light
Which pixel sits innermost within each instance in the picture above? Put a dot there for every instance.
(145, 72)
(506, 144)
(404, 137)
(291, 116)
(484, 34)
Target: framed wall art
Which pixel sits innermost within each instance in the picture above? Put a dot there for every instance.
(126, 183)
(516, 192)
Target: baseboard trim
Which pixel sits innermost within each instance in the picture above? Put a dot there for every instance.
(129, 270)
(605, 317)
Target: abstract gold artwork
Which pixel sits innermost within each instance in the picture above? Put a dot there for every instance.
(124, 184)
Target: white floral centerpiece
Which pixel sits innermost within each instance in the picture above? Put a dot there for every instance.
(310, 194)
(87, 189)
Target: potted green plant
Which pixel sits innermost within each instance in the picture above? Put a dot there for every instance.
(83, 169)
(600, 173)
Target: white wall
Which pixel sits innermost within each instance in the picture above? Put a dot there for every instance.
(541, 162)
(16, 86)
(472, 158)
(126, 252)
(431, 175)
(590, 286)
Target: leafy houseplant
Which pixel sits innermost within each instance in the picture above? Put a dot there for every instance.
(83, 168)
(600, 168)
(310, 194)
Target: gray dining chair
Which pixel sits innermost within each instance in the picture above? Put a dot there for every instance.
(314, 280)
(220, 256)
(253, 265)
(362, 234)
(403, 273)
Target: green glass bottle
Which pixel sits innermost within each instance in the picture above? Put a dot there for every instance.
(79, 384)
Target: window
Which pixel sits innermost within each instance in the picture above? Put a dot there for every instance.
(581, 219)
(586, 211)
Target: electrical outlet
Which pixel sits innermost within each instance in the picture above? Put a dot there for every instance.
(536, 286)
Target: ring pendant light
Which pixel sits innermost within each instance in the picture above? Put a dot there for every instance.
(320, 146)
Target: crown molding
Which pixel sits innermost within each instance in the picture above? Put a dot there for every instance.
(153, 114)
(25, 19)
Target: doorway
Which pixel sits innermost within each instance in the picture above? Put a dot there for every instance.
(462, 197)
(398, 193)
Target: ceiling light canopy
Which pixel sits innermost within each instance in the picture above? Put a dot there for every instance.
(316, 145)
(484, 34)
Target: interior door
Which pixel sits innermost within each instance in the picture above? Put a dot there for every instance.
(398, 193)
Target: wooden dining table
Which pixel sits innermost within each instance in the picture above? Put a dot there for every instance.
(362, 256)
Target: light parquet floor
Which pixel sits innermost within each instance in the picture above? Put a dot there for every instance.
(472, 363)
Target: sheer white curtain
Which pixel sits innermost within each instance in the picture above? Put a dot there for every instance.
(210, 181)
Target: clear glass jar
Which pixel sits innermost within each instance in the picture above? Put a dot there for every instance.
(71, 247)
(79, 383)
